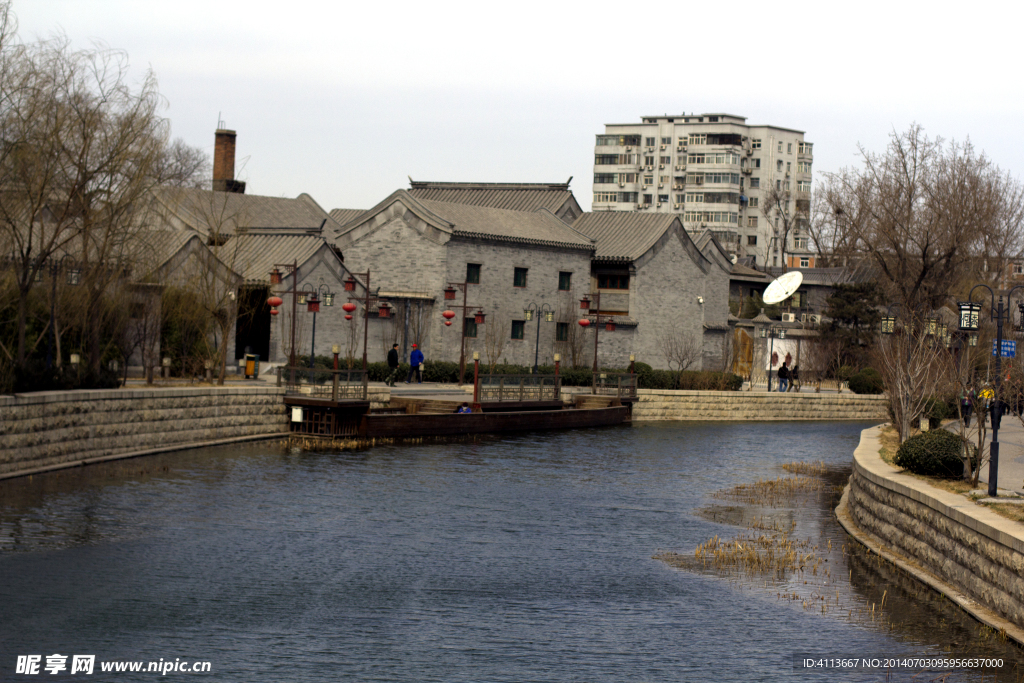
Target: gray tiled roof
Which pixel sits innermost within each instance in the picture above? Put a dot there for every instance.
(226, 212)
(624, 235)
(343, 216)
(510, 196)
(819, 276)
(254, 256)
(539, 227)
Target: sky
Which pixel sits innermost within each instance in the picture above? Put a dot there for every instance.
(346, 101)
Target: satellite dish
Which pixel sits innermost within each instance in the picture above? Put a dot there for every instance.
(783, 287)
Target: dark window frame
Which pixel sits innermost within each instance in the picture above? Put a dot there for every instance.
(561, 332)
(515, 277)
(567, 276)
(613, 281)
(469, 272)
(520, 327)
(470, 328)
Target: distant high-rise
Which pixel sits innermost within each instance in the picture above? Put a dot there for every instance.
(717, 172)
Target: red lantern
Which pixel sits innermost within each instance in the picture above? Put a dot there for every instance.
(384, 311)
(273, 311)
(348, 317)
(585, 303)
(275, 301)
(584, 322)
(449, 314)
(478, 318)
(349, 307)
(448, 323)
(449, 292)
(313, 304)
(610, 326)
(275, 276)
(350, 284)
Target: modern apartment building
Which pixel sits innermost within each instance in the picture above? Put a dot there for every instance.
(718, 174)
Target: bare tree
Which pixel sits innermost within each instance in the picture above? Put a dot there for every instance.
(496, 334)
(781, 211)
(681, 352)
(574, 347)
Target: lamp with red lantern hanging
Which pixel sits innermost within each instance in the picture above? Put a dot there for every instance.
(594, 309)
(448, 315)
(274, 302)
(585, 303)
(448, 323)
(449, 293)
(584, 322)
(275, 276)
(384, 310)
(479, 317)
(609, 326)
(348, 307)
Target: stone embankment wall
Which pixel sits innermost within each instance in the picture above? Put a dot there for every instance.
(50, 430)
(657, 404)
(960, 548)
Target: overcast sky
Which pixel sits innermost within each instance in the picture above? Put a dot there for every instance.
(345, 100)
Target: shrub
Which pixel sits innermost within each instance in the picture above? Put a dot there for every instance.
(936, 453)
(867, 381)
(34, 376)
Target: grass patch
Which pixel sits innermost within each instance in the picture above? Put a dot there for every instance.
(1011, 512)
(890, 441)
(806, 468)
(763, 554)
(773, 492)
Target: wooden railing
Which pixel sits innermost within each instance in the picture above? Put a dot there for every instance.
(519, 388)
(335, 385)
(618, 385)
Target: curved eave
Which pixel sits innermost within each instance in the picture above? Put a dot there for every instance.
(521, 240)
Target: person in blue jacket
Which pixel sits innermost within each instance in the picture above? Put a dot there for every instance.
(415, 361)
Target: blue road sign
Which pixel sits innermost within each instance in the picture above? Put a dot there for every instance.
(1009, 348)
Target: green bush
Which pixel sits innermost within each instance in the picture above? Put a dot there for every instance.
(867, 381)
(935, 453)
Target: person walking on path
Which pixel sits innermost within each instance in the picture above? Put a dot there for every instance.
(415, 361)
(794, 379)
(784, 376)
(986, 397)
(393, 364)
(967, 405)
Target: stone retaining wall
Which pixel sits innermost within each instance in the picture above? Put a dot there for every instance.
(49, 430)
(659, 404)
(962, 549)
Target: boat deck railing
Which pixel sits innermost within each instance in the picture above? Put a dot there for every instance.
(334, 385)
(618, 385)
(519, 388)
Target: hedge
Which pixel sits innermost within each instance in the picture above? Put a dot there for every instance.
(936, 453)
(647, 378)
(866, 381)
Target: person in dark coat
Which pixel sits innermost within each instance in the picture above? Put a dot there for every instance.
(415, 361)
(393, 364)
(794, 378)
(784, 376)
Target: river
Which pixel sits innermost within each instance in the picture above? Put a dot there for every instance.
(519, 558)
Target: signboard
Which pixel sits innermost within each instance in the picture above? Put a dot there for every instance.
(1009, 348)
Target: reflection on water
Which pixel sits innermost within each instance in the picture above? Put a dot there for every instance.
(507, 559)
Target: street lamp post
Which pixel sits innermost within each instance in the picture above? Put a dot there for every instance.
(275, 279)
(314, 296)
(970, 319)
(479, 317)
(549, 316)
(609, 322)
(772, 332)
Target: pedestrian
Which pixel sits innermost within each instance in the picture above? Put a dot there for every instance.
(393, 365)
(967, 405)
(415, 365)
(784, 376)
(464, 409)
(794, 378)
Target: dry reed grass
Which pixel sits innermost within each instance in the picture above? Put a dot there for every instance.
(806, 468)
(773, 492)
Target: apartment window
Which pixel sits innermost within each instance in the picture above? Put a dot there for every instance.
(604, 178)
(778, 186)
(519, 277)
(785, 186)
(561, 331)
(803, 185)
(803, 167)
(789, 148)
(698, 138)
(778, 165)
(752, 240)
(695, 197)
(471, 327)
(666, 160)
(754, 182)
(755, 143)
(663, 198)
(613, 281)
(606, 159)
(648, 198)
(627, 197)
(780, 147)
(564, 281)
(627, 177)
(473, 273)
(755, 163)
(518, 329)
(666, 141)
(712, 119)
(753, 203)
(648, 179)
(789, 166)
(751, 221)
(680, 198)
(650, 142)
(605, 197)
(805, 147)
(805, 262)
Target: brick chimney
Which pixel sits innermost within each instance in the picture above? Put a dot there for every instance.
(224, 163)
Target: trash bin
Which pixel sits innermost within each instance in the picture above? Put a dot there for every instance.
(252, 365)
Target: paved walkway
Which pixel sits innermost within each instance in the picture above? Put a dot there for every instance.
(1011, 453)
